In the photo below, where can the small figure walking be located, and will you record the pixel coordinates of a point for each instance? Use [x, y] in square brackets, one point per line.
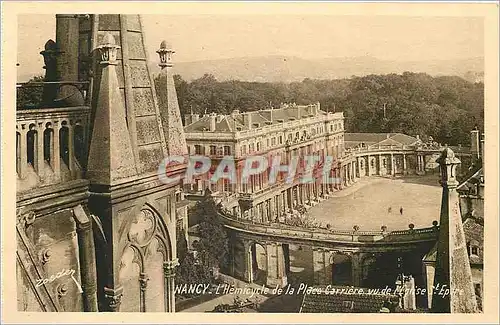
[389, 210]
[401, 210]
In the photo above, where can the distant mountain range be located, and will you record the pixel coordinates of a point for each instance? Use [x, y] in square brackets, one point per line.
[289, 68]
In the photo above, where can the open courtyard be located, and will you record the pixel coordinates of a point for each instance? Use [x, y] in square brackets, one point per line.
[374, 202]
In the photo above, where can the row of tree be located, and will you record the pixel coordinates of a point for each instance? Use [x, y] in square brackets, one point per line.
[446, 107]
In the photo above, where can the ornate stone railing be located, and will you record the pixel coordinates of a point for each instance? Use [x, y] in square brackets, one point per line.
[341, 236]
[51, 145]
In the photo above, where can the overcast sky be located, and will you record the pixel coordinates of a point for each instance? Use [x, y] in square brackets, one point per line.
[207, 37]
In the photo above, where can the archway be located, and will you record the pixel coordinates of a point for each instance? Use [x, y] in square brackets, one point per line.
[259, 263]
[341, 269]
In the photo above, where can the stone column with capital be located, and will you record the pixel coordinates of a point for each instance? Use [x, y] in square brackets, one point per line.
[143, 283]
[113, 298]
[452, 270]
[169, 272]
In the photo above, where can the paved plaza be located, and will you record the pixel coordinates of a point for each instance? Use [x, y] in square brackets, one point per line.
[367, 204]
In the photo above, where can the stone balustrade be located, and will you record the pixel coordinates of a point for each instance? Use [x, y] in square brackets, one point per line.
[329, 236]
[50, 145]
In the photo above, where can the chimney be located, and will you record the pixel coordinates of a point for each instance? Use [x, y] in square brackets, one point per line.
[299, 112]
[388, 135]
[188, 119]
[213, 116]
[418, 137]
[195, 117]
[474, 145]
[247, 119]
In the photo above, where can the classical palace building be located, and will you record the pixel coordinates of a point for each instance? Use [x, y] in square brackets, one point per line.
[298, 131]
[89, 201]
[291, 130]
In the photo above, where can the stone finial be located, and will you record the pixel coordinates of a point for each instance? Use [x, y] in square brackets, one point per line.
[108, 50]
[165, 52]
[448, 163]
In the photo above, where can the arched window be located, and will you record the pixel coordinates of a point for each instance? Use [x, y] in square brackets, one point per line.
[79, 141]
[48, 145]
[31, 141]
[64, 143]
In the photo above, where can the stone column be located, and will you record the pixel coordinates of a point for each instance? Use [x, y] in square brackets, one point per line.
[169, 287]
[356, 269]
[453, 270]
[67, 32]
[71, 149]
[248, 270]
[87, 259]
[276, 273]
[113, 298]
[393, 165]
[404, 165]
[380, 165]
[23, 152]
[369, 166]
[39, 148]
[321, 266]
[143, 284]
[56, 153]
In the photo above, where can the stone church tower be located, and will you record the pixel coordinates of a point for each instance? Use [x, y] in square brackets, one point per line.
[111, 198]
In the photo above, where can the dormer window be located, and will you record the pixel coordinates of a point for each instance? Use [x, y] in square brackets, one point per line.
[280, 120]
[256, 125]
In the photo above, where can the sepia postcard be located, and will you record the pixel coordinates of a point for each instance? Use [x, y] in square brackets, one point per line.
[315, 162]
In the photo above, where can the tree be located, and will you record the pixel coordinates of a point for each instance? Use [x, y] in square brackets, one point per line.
[30, 96]
[445, 108]
[191, 272]
[213, 244]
